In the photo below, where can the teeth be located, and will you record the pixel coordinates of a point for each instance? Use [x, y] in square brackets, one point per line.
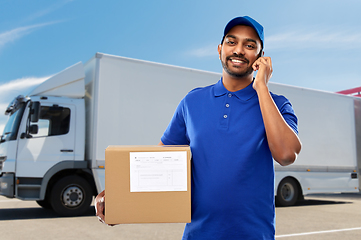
[237, 61]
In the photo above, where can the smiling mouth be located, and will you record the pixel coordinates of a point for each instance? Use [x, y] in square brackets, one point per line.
[237, 61]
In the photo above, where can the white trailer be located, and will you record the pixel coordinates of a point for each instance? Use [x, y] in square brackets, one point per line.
[330, 132]
[53, 146]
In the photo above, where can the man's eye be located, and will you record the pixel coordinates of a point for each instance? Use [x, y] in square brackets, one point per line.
[231, 42]
[250, 46]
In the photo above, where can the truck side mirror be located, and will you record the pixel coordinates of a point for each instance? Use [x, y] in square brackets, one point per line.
[34, 112]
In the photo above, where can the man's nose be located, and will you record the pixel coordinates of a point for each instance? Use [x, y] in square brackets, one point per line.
[238, 50]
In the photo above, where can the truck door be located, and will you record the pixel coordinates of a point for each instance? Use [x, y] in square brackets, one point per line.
[53, 142]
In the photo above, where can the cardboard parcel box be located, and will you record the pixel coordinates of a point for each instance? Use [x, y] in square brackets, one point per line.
[147, 184]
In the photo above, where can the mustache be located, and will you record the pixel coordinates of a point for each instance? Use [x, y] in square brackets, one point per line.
[241, 57]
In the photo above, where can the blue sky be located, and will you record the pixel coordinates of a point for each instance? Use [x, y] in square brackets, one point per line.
[313, 43]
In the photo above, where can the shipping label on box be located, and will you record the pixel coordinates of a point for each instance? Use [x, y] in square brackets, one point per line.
[147, 184]
[158, 171]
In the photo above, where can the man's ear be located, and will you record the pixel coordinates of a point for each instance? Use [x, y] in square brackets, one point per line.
[261, 54]
[219, 50]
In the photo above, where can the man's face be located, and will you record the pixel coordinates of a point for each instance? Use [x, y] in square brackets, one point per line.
[240, 49]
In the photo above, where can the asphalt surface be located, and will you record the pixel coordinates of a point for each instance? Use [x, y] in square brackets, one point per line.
[326, 217]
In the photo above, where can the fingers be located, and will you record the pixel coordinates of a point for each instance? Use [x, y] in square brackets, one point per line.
[264, 67]
[268, 62]
[262, 61]
[101, 219]
[100, 206]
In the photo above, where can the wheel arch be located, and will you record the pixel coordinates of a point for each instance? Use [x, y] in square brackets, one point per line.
[297, 182]
[288, 197]
[66, 168]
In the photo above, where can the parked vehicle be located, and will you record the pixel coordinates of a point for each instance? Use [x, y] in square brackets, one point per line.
[53, 146]
[330, 131]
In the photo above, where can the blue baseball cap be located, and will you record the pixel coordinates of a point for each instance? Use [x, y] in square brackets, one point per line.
[248, 21]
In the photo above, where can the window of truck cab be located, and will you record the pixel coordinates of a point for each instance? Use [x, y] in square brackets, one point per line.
[53, 121]
[12, 125]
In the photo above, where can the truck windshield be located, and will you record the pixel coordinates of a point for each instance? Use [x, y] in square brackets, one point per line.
[12, 126]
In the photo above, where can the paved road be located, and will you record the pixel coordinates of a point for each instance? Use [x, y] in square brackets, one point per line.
[326, 217]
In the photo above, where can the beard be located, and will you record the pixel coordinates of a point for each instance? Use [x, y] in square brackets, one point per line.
[237, 74]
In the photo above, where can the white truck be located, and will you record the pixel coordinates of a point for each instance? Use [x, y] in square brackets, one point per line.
[330, 132]
[53, 146]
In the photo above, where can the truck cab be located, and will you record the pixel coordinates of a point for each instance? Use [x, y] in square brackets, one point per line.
[42, 146]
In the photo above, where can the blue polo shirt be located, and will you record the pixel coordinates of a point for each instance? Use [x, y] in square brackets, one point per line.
[232, 166]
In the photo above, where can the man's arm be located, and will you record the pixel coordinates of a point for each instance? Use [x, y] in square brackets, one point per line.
[282, 140]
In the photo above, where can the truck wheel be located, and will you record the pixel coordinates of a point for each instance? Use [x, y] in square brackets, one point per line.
[287, 192]
[71, 196]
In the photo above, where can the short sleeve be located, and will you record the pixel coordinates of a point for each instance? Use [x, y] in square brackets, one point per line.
[176, 132]
[286, 109]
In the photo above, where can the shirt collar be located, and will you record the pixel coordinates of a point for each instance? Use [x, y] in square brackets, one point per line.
[244, 94]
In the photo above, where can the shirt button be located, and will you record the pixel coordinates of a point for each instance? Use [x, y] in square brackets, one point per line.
[229, 94]
[225, 116]
[227, 105]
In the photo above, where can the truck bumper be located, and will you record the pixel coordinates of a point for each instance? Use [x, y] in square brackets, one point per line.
[7, 184]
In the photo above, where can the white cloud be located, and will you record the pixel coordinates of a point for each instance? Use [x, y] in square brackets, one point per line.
[47, 10]
[19, 85]
[205, 51]
[303, 39]
[17, 33]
